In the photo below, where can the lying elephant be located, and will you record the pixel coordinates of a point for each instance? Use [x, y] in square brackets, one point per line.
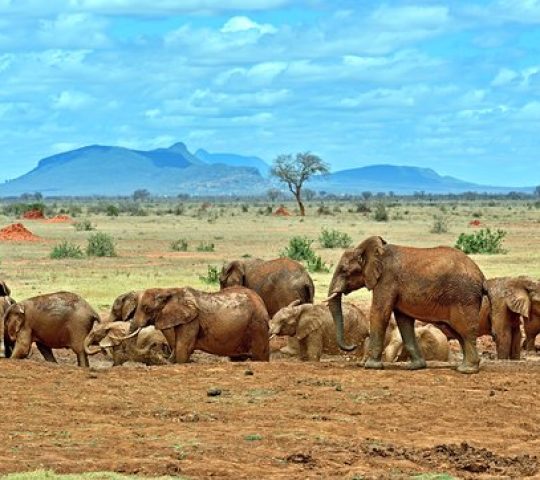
[149, 347]
[313, 327]
[431, 340]
[55, 320]
[232, 322]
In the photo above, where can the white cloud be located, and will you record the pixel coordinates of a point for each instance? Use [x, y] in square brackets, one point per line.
[71, 100]
[504, 77]
[241, 24]
[402, 18]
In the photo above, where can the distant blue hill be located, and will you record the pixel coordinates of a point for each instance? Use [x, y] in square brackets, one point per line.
[111, 171]
[234, 160]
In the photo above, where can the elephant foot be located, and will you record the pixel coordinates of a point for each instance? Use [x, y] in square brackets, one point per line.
[287, 350]
[373, 364]
[468, 369]
[417, 364]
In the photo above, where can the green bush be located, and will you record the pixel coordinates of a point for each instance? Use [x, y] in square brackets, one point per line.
[334, 239]
[205, 247]
[380, 215]
[440, 224]
[100, 245]
[66, 249]
[363, 207]
[180, 245]
[112, 210]
[212, 275]
[84, 226]
[316, 264]
[483, 241]
[299, 248]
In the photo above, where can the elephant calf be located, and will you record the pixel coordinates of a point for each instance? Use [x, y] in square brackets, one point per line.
[149, 346]
[431, 340]
[313, 327]
[55, 320]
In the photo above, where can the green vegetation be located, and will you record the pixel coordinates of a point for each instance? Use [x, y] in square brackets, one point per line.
[334, 239]
[253, 437]
[84, 226]
[299, 249]
[66, 249]
[483, 241]
[100, 245]
[381, 214]
[206, 247]
[440, 224]
[212, 275]
[180, 245]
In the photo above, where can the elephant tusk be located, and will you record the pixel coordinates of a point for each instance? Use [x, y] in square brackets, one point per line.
[331, 297]
[131, 335]
[272, 336]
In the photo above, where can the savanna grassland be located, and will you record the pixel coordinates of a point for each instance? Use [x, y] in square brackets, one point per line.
[284, 419]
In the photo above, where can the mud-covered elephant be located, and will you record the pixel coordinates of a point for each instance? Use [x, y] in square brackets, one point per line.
[278, 282]
[313, 327]
[149, 346]
[54, 320]
[232, 322]
[5, 302]
[433, 285]
[511, 298]
[432, 343]
[124, 306]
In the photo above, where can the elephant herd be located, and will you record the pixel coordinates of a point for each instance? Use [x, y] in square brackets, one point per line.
[441, 288]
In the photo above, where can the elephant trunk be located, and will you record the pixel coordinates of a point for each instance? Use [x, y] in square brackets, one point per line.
[88, 347]
[334, 305]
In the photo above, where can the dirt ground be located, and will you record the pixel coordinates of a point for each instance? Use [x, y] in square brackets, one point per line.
[283, 419]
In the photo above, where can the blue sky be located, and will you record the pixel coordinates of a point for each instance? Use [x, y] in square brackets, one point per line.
[454, 86]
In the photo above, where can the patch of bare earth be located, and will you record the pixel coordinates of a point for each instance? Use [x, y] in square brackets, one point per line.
[283, 419]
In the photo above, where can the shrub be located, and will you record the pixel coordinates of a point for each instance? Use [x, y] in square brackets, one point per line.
[380, 215]
[483, 241]
[245, 208]
[334, 239]
[180, 245]
[299, 248]
[66, 249]
[212, 275]
[440, 224]
[84, 226]
[112, 210]
[362, 207]
[205, 247]
[316, 264]
[100, 245]
[324, 210]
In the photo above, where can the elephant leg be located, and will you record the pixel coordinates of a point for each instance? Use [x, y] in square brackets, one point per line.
[22, 344]
[46, 352]
[515, 344]
[464, 322]
[406, 329]
[186, 338]
[82, 359]
[291, 348]
[260, 346]
[170, 336]
[314, 346]
[379, 316]
[503, 342]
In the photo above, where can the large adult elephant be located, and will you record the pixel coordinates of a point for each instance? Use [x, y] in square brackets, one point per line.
[5, 302]
[434, 285]
[233, 322]
[278, 282]
[511, 298]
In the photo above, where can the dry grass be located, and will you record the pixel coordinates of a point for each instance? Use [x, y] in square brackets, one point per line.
[145, 258]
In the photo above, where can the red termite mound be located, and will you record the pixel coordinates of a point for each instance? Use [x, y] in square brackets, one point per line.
[17, 232]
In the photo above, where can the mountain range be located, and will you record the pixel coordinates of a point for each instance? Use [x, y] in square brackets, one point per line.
[113, 171]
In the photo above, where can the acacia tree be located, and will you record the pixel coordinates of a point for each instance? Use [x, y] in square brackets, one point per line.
[294, 171]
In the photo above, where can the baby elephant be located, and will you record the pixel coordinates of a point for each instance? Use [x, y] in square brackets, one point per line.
[55, 320]
[432, 342]
[313, 327]
[148, 347]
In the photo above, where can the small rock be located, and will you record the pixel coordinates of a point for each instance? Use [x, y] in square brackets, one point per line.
[213, 392]
[491, 393]
[248, 372]
[338, 387]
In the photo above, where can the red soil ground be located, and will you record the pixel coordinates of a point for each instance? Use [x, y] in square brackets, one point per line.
[17, 232]
[60, 219]
[283, 419]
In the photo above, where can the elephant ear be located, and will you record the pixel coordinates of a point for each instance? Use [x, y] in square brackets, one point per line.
[179, 309]
[15, 320]
[233, 274]
[5, 291]
[517, 300]
[307, 322]
[370, 254]
[129, 305]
